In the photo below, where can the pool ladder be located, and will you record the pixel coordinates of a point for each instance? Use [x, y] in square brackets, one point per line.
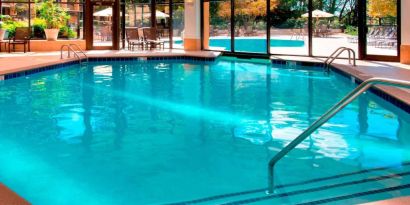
[325, 117]
[337, 53]
[76, 52]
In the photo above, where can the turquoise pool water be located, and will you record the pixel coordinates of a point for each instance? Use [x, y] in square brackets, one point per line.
[171, 131]
[254, 45]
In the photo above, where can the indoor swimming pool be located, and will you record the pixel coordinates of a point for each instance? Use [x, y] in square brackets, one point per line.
[193, 132]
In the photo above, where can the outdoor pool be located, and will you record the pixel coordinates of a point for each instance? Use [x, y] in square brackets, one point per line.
[254, 45]
[173, 131]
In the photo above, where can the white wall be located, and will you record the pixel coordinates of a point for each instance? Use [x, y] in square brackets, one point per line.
[405, 22]
[192, 19]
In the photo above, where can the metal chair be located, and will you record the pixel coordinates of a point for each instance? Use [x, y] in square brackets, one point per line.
[133, 38]
[21, 37]
[151, 38]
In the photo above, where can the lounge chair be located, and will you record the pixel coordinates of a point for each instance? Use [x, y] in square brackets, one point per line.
[133, 38]
[389, 40]
[151, 38]
[374, 35]
[21, 37]
[299, 33]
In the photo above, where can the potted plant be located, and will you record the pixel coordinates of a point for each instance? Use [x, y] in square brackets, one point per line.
[54, 16]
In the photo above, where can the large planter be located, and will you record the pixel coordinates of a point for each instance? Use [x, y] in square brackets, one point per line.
[2, 32]
[51, 34]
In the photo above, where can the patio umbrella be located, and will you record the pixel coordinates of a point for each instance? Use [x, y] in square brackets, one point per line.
[161, 15]
[108, 12]
[158, 14]
[105, 12]
[318, 14]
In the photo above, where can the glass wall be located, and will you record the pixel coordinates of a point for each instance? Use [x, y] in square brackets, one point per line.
[169, 19]
[335, 24]
[217, 25]
[250, 26]
[138, 13]
[163, 21]
[381, 23]
[102, 26]
[178, 20]
[15, 14]
[23, 13]
[289, 27]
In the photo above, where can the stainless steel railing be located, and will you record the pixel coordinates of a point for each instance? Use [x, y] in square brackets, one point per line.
[80, 50]
[337, 53]
[325, 117]
[76, 52]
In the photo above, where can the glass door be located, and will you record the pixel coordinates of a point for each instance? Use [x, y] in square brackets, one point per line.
[382, 39]
[163, 21]
[102, 26]
[250, 26]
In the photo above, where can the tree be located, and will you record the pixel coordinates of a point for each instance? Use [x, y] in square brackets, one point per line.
[382, 8]
[251, 8]
[246, 11]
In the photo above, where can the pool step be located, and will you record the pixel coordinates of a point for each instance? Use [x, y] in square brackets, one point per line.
[340, 188]
[341, 193]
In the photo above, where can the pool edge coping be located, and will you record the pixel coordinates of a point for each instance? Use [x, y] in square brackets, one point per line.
[389, 94]
[29, 70]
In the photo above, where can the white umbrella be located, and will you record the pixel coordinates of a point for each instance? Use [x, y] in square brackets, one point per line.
[105, 12]
[161, 15]
[108, 12]
[318, 14]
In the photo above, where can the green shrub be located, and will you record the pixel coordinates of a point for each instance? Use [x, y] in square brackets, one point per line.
[260, 25]
[352, 30]
[11, 26]
[293, 23]
[3, 18]
[335, 24]
[54, 16]
[67, 32]
[38, 28]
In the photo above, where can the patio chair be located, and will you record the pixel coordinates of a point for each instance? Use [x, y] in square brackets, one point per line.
[21, 37]
[299, 33]
[106, 33]
[133, 38]
[4, 41]
[151, 38]
[374, 35]
[324, 31]
[389, 41]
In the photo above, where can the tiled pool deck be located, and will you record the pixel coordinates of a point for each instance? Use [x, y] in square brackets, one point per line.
[8, 197]
[17, 62]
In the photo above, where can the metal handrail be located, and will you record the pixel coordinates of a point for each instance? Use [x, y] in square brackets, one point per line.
[325, 117]
[331, 56]
[69, 49]
[61, 51]
[80, 50]
[339, 51]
